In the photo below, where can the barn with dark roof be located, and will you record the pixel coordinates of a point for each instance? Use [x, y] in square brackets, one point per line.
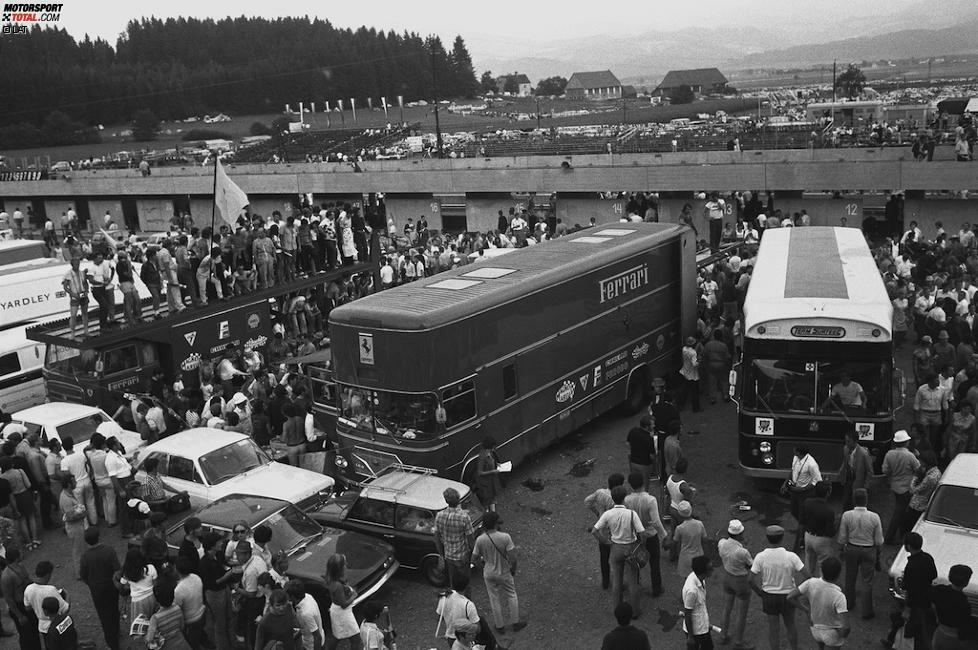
[702, 81]
[601, 84]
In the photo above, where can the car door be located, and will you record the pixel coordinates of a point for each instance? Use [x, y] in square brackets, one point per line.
[372, 517]
[415, 530]
[182, 475]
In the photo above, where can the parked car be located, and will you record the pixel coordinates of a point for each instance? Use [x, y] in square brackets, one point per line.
[949, 527]
[369, 562]
[58, 420]
[212, 463]
[400, 506]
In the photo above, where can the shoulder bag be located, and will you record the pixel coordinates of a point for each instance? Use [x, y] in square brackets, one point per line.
[638, 556]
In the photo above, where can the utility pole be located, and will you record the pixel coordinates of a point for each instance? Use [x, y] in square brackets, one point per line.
[833, 80]
[434, 86]
[538, 112]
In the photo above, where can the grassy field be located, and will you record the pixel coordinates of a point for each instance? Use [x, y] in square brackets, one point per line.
[634, 111]
[900, 72]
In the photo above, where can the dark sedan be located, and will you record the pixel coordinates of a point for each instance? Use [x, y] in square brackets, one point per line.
[400, 507]
[307, 544]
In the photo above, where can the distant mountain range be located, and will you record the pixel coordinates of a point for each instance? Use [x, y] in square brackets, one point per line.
[922, 30]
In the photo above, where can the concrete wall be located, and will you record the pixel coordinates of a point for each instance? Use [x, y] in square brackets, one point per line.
[953, 213]
[97, 208]
[573, 210]
[866, 169]
[482, 209]
[265, 205]
[154, 214]
[402, 207]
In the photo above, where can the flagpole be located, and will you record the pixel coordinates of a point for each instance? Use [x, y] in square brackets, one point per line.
[217, 161]
[214, 201]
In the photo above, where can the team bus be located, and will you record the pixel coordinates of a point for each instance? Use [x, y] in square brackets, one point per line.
[523, 348]
[817, 356]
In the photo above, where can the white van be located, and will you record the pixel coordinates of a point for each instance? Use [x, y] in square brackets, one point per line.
[21, 360]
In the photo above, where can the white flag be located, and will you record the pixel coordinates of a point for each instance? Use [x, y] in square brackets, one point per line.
[228, 197]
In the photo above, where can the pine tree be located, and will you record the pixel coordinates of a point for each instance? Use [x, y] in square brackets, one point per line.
[464, 83]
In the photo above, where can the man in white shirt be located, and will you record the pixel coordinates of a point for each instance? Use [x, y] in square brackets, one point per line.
[860, 537]
[647, 508]
[624, 528]
[100, 280]
[846, 393]
[773, 578]
[188, 595]
[713, 212]
[696, 617]
[75, 463]
[805, 473]
[387, 274]
[308, 614]
[690, 373]
[826, 605]
[41, 588]
[737, 562]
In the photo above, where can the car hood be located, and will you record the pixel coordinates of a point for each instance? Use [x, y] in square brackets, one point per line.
[277, 481]
[949, 545]
[366, 558]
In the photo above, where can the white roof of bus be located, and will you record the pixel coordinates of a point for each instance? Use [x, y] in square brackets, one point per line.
[836, 271]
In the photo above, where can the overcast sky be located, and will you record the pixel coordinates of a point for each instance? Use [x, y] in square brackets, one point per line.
[541, 19]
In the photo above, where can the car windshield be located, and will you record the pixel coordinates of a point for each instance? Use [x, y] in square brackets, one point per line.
[82, 429]
[799, 386]
[70, 361]
[954, 505]
[290, 528]
[402, 415]
[229, 461]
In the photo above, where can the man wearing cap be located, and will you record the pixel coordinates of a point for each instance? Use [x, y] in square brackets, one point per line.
[773, 578]
[899, 466]
[687, 538]
[624, 528]
[860, 536]
[736, 561]
[929, 406]
[641, 449]
[647, 508]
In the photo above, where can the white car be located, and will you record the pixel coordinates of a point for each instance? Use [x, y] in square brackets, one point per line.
[58, 420]
[949, 527]
[212, 463]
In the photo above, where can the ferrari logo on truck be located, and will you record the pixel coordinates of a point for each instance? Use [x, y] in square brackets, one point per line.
[366, 346]
[624, 282]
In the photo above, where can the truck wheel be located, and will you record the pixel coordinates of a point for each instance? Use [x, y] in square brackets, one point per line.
[434, 571]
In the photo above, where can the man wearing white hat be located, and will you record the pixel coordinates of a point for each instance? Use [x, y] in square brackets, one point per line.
[737, 561]
[899, 467]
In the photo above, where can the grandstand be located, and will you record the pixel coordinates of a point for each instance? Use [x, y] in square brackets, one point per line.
[332, 145]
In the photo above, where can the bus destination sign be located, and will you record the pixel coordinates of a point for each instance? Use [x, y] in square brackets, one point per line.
[818, 331]
[624, 282]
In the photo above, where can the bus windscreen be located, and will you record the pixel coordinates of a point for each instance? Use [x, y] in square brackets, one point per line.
[823, 387]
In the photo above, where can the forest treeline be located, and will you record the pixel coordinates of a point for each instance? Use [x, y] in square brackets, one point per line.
[178, 67]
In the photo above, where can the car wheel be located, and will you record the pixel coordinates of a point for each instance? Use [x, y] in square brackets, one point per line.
[433, 570]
